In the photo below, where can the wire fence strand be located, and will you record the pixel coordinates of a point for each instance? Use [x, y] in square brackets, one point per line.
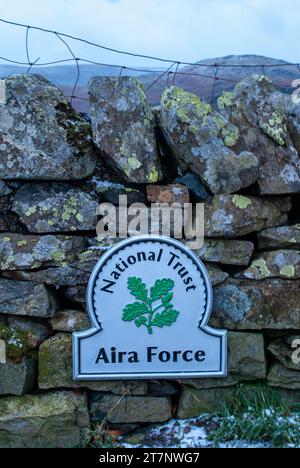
[167, 74]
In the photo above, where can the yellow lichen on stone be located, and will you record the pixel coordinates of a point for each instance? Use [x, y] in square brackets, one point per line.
[288, 271]
[32, 210]
[21, 243]
[153, 176]
[241, 202]
[226, 100]
[262, 267]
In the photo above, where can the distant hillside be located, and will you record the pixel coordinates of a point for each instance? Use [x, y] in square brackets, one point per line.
[278, 70]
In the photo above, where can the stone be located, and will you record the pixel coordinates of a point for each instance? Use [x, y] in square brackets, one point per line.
[36, 330]
[201, 140]
[21, 298]
[293, 120]
[56, 370]
[194, 402]
[31, 252]
[272, 304]
[216, 274]
[283, 237]
[194, 184]
[17, 378]
[3, 224]
[259, 112]
[227, 252]
[76, 272]
[41, 136]
[123, 127]
[282, 349]
[70, 321]
[130, 409]
[76, 294]
[246, 362]
[4, 189]
[55, 208]
[280, 376]
[168, 194]
[274, 264]
[237, 215]
[51, 420]
[111, 191]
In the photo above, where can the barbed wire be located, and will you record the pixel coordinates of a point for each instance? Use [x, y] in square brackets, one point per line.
[166, 73]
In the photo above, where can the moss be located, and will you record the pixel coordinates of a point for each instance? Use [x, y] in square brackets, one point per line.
[262, 267]
[226, 100]
[32, 210]
[16, 341]
[241, 202]
[276, 127]
[79, 132]
[153, 176]
[22, 243]
[288, 271]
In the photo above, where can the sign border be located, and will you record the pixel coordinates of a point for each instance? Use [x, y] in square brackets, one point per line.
[77, 336]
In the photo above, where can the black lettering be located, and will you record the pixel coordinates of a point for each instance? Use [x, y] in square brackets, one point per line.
[113, 355]
[190, 287]
[150, 353]
[121, 355]
[151, 257]
[108, 285]
[173, 256]
[133, 357]
[164, 356]
[131, 260]
[141, 256]
[188, 280]
[175, 355]
[183, 272]
[118, 267]
[102, 356]
[160, 255]
[200, 356]
[185, 356]
[115, 275]
[124, 263]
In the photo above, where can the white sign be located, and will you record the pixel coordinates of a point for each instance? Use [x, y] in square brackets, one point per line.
[149, 300]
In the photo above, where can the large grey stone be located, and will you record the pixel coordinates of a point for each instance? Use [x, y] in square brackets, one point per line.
[76, 272]
[236, 215]
[36, 330]
[283, 237]
[56, 370]
[275, 264]
[246, 362]
[283, 349]
[21, 298]
[259, 112]
[123, 127]
[201, 139]
[280, 376]
[130, 409]
[55, 208]
[194, 402]
[216, 274]
[70, 321]
[228, 252]
[17, 378]
[41, 135]
[256, 305]
[52, 420]
[19, 252]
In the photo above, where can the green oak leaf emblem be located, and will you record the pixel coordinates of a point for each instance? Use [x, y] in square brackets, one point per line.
[151, 310]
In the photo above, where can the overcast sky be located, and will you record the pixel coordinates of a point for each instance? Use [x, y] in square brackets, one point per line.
[187, 30]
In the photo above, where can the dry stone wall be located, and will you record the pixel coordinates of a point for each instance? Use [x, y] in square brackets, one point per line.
[56, 166]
